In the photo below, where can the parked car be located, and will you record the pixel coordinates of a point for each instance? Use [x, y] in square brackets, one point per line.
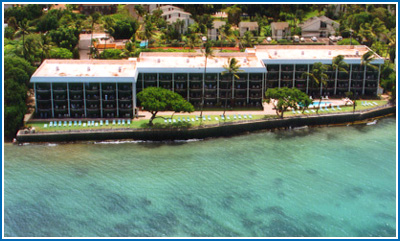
[269, 39]
[314, 39]
[339, 38]
[296, 38]
[332, 38]
[302, 39]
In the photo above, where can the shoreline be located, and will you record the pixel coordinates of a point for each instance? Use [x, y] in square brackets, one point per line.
[204, 132]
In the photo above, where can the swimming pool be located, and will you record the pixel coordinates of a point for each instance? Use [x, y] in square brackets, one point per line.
[323, 103]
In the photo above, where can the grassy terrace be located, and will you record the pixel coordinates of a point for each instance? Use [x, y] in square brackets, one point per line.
[160, 122]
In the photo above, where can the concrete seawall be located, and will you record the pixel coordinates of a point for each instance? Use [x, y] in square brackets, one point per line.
[203, 132]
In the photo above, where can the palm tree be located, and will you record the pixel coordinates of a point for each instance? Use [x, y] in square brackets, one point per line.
[318, 77]
[208, 52]
[338, 64]
[93, 19]
[139, 11]
[45, 46]
[366, 60]
[23, 29]
[232, 69]
[192, 41]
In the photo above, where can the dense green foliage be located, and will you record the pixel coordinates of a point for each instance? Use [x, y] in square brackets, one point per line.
[60, 53]
[285, 98]
[17, 73]
[347, 42]
[111, 54]
[155, 99]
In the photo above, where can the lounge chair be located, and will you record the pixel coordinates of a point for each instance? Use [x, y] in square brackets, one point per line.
[307, 111]
[298, 112]
[193, 120]
[45, 125]
[173, 120]
[326, 108]
[209, 118]
[179, 119]
[313, 111]
[129, 122]
[92, 123]
[183, 119]
[245, 116]
[188, 119]
[320, 109]
[165, 120]
[338, 107]
[119, 122]
[204, 118]
[169, 120]
[374, 103]
[50, 124]
[65, 123]
[75, 123]
[101, 123]
[84, 125]
[123, 122]
[96, 124]
[70, 123]
[333, 108]
[79, 123]
[113, 122]
[88, 123]
[234, 117]
[59, 124]
[227, 117]
[197, 118]
[216, 118]
[362, 103]
[250, 116]
[107, 122]
[294, 112]
[239, 116]
[222, 117]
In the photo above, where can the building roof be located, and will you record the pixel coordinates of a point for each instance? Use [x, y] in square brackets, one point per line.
[175, 11]
[314, 19]
[279, 25]
[86, 68]
[176, 62]
[310, 54]
[248, 24]
[217, 24]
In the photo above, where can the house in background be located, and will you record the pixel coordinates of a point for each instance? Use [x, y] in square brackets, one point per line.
[247, 26]
[214, 32]
[319, 27]
[171, 14]
[280, 30]
[88, 9]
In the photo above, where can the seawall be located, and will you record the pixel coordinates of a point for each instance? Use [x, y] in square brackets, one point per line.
[203, 132]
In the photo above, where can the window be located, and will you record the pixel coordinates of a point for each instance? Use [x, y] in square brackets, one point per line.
[179, 15]
[323, 24]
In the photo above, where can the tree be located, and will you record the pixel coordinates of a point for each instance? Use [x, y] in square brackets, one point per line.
[139, 11]
[318, 77]
[247, 40]
[111, 54]
[338, 64]
[234, 14]
[45, 45]
[232, 69]
[285, 98]
[208, 52]
[23, 30]
[366, 60]
[60, 53]
[65, 37]
[155, 100]
[94, 18]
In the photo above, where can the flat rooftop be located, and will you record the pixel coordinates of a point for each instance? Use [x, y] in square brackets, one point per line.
[307, 52]
[86, 68]
[196, 60]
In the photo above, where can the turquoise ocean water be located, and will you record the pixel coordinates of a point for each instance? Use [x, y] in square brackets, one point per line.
[324, 182]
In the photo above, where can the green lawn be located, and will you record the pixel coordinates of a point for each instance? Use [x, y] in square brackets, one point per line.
[143, 123]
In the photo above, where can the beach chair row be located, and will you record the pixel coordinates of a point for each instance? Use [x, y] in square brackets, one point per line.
[86, 123]
[217, 118]
[366, 103]
[332, 108]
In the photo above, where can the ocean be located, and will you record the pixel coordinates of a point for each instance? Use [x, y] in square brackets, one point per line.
[314, 182]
